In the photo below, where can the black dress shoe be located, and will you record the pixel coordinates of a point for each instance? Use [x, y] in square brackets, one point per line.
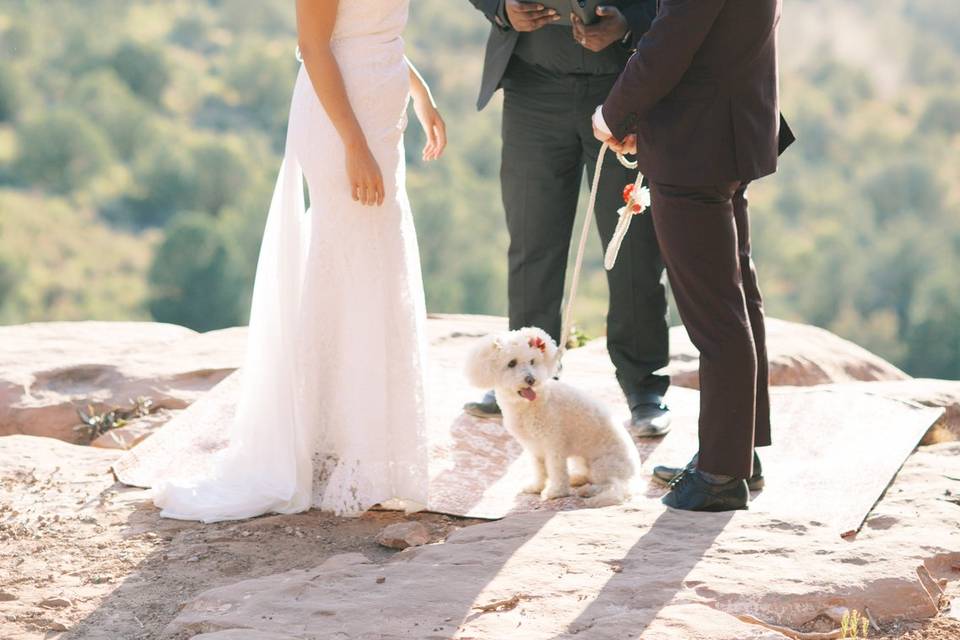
[692, 492]
[486, 408]
[666, 475]
[649, 416]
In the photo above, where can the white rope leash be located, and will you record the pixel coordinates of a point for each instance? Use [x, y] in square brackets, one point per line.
[638, 197]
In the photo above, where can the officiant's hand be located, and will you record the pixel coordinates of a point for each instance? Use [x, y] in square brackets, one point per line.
[529, 16]
[611, 27]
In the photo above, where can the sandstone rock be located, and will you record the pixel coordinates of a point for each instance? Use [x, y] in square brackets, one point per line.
[404, 534]
[630, 571]
[443, 327]
[67, 529]
[47, 370]
[55, 603]
[57, 625]
[800, 355]
[6, 596]
[635, 570]
[242, 634]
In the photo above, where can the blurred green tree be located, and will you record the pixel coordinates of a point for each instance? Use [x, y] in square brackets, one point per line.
[942, 115]
[905, 187]
[61, 151]
[9, 278]
[932, 64]
[858, 232]
[165, 175]
[933, 337]
[846, 86]
[194, 276]
[190, 32]
[15, 41]
[267, 17]
[144, 69]
[262, 80]
[223, 172]
[105, 99]
[10, 93]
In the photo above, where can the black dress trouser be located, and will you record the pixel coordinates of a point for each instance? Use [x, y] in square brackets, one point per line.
[547, 142]
[704, 235]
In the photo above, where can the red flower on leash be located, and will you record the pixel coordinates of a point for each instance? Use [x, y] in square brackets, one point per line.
[635, 202]
[538, 343]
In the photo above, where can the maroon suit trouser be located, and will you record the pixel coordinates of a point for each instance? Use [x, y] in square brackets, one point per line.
[704, 238]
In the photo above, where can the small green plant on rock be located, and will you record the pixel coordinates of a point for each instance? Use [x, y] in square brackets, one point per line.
[96, 424]
[578, 338]
[854, 625]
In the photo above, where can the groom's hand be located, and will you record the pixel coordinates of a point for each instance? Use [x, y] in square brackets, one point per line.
[611, 27]
[529, 16]
[625, 147]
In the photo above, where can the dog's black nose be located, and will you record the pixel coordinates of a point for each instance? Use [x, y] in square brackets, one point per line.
[530, 380]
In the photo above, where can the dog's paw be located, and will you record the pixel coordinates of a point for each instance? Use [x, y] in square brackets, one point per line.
[552, 493]
[605, 499]
[606, 495]
[534, 487]
[579, 479]
[588, 490]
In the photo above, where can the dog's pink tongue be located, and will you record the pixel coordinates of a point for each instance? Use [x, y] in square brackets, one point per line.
[529, 394]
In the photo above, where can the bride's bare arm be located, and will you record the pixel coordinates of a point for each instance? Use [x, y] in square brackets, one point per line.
[315, 23]
[428, 115]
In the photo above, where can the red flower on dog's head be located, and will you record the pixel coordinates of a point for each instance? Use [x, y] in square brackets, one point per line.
[538, 343]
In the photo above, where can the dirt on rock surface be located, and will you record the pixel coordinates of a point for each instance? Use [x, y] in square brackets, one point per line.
[87, 558]
[938, 629]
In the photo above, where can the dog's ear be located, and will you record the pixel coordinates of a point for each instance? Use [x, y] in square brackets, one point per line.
[540, 339]
[481, 368]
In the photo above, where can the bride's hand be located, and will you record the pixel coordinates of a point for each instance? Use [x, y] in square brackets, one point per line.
[366, 181]
[433, 126]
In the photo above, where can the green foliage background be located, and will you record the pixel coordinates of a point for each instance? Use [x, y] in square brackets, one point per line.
[139, 142]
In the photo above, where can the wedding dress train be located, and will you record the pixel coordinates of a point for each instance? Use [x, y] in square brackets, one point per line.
[331, 412]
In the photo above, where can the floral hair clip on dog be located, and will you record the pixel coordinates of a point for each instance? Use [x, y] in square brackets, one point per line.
[538, 343]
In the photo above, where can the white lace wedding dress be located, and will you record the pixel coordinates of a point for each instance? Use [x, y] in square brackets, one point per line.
[331, 409]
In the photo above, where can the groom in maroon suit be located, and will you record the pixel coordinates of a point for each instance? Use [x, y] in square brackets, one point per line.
[699, 103]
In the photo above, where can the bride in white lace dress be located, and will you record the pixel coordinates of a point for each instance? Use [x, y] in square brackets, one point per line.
[331, 411]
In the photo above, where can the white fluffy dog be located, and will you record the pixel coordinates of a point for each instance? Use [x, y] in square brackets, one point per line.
[554, 422]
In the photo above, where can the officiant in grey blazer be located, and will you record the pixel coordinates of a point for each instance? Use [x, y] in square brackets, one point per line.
[553, 77]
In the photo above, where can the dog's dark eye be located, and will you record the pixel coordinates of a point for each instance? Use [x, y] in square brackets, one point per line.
[512, 364]
[532, 360]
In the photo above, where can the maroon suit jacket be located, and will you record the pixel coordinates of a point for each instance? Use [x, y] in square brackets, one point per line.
[701, 93]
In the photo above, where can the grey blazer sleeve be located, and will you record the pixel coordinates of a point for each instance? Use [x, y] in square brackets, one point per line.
[495, 10]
